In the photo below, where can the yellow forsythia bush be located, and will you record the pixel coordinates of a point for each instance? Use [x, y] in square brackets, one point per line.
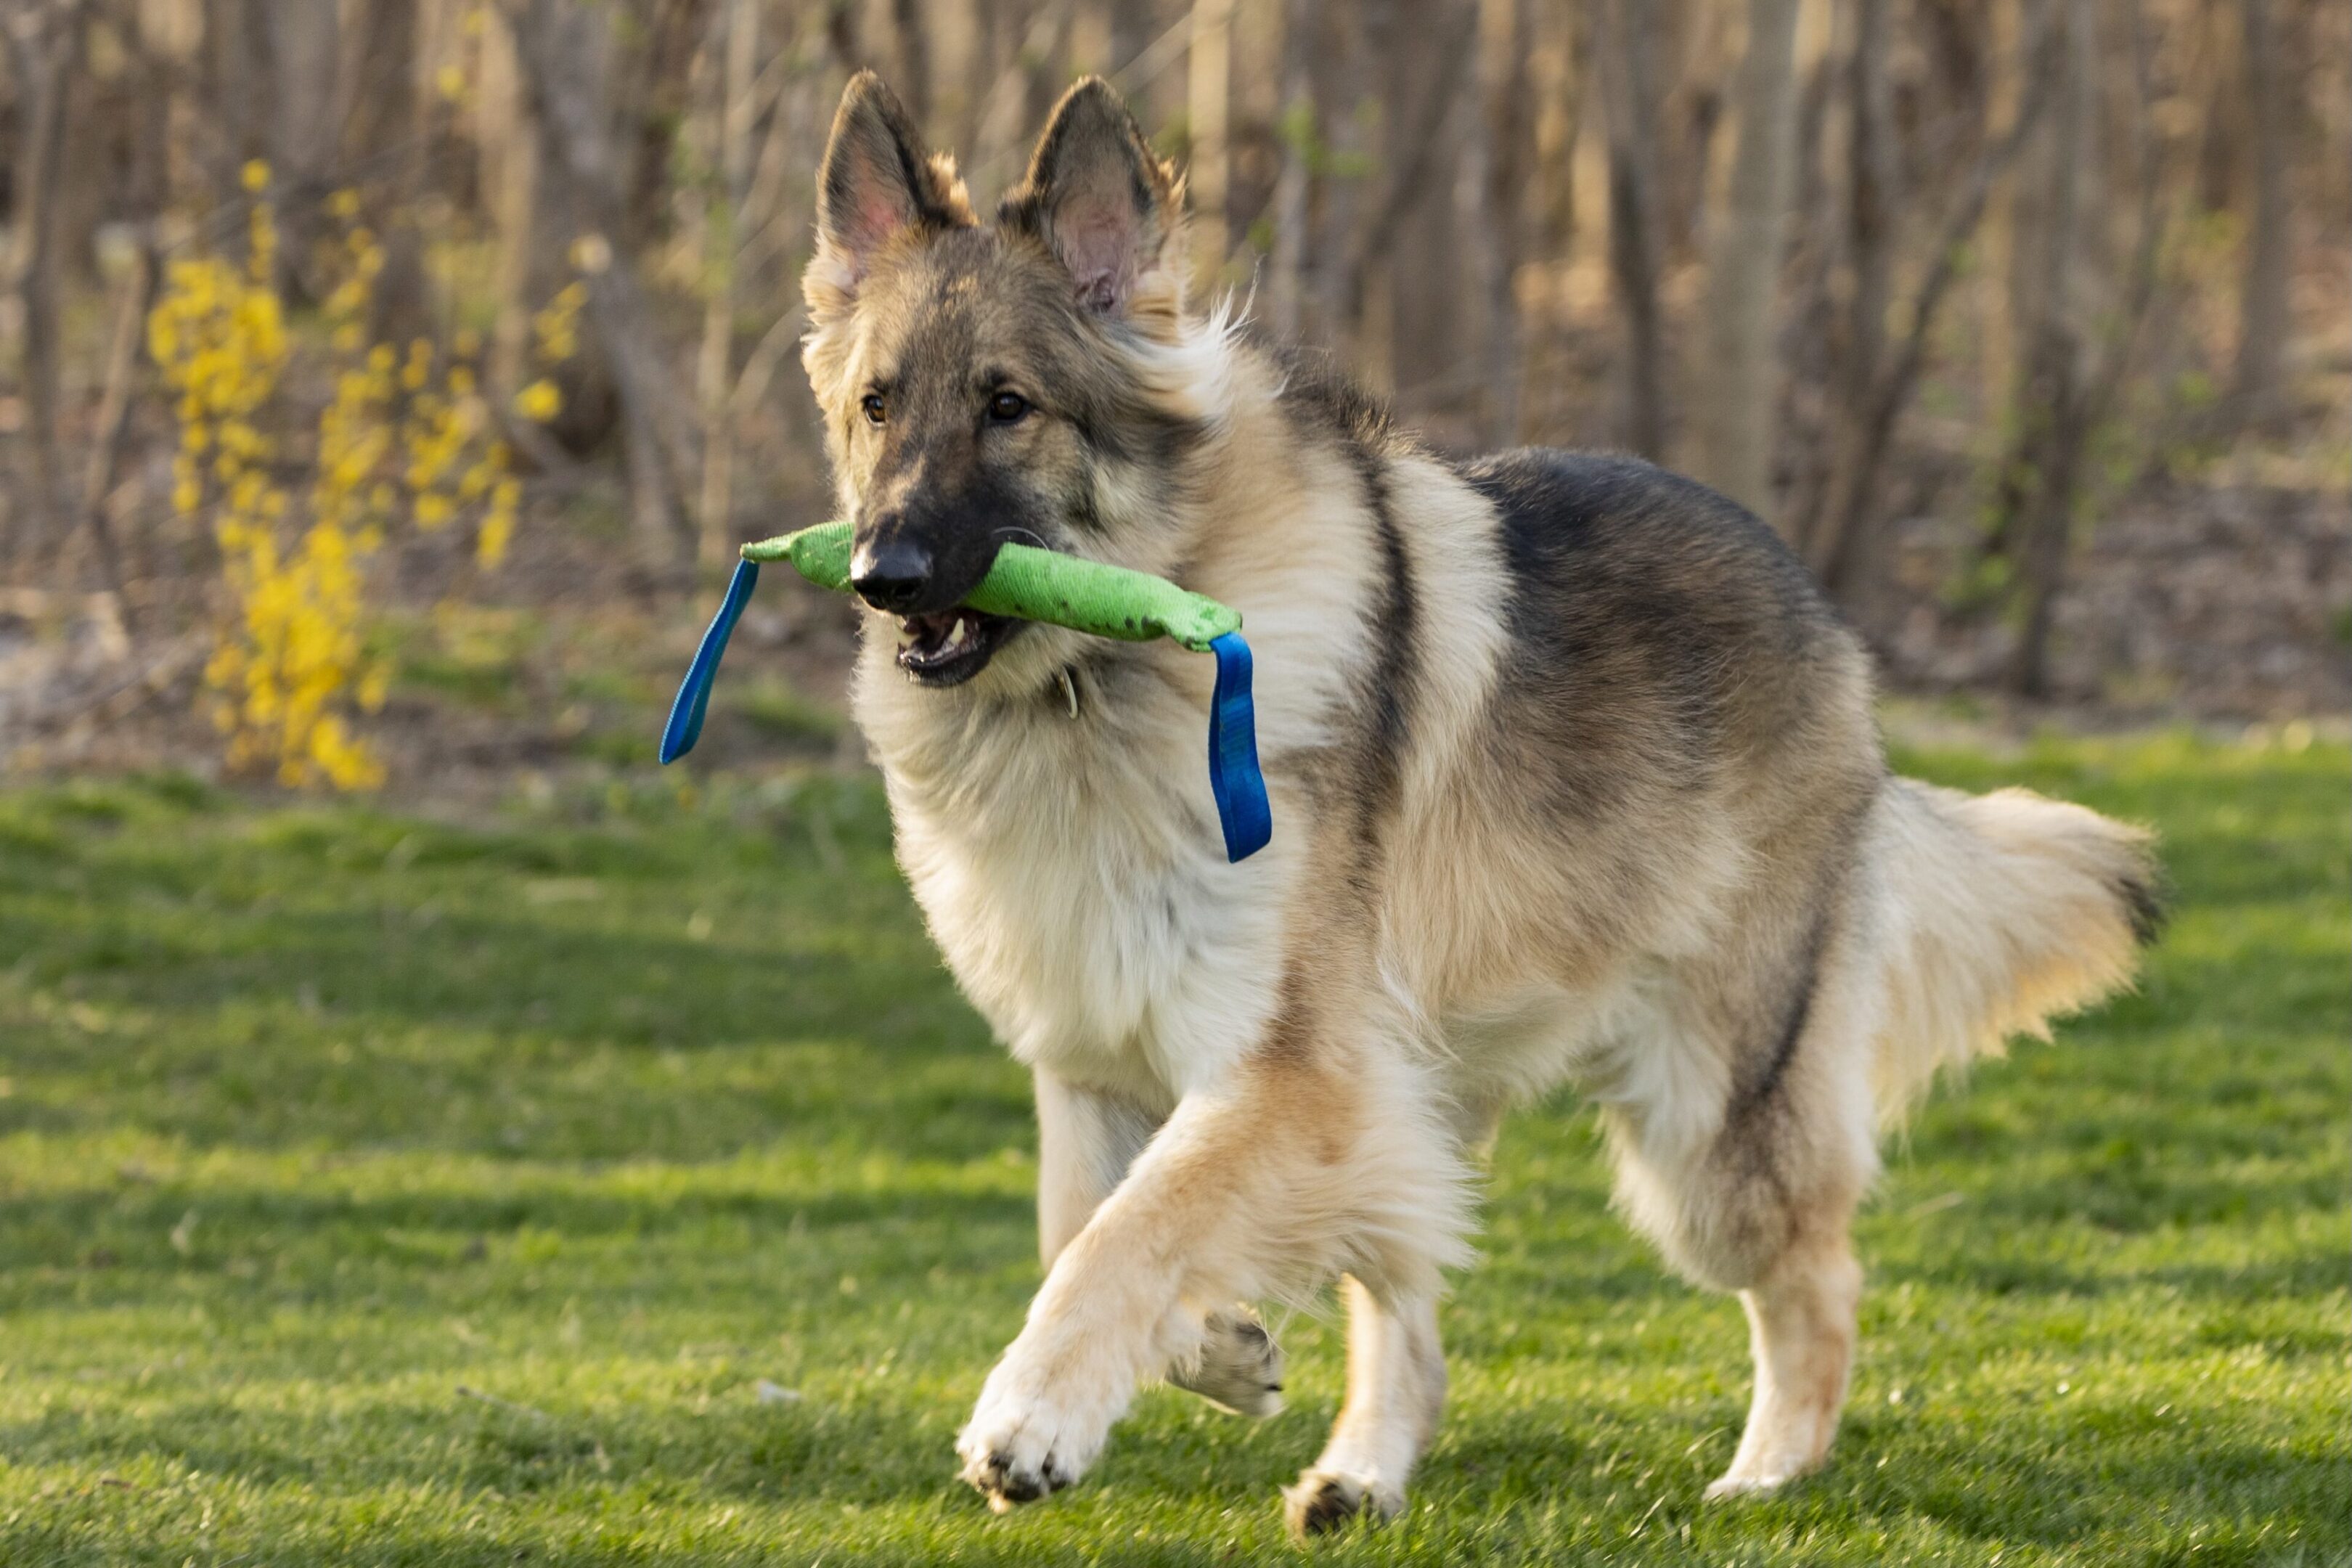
[402, 437]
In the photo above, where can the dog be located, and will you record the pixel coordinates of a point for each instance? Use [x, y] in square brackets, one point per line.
[1575, 778]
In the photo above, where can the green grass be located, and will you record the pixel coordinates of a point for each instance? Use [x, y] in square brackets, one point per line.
[382, 1191]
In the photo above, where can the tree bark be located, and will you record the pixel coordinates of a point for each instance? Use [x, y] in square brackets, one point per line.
[2262, 302]
[1863, 433]
[2083, 385]
[1630, 97]
[561, 50]
[1506, 130]
[305, 116]
[1299, 124]
[44, 38]
[1732, 411]
[2054, 420]
[1209, 92]
[714, 365]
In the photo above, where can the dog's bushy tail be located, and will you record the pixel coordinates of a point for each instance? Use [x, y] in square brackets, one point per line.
[2005, 910]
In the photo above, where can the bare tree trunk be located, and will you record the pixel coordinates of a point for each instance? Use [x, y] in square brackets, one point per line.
[1734, 396]
[1834, 543]
[1870, 216]
[1507, 130]
[714, 367]
[1630, 95]
[380, 96]
[1297, 128]
[2082, 392]
[306, 115]
[910, 59]
[1340, 69]
[149, 185]
[2263, 304]
[2051, 409]
[1209, 90]
[44, 44]
[139, 294]
[511, 180]
[561, 50]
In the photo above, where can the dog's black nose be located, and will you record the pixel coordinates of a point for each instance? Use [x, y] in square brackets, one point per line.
[892, 573]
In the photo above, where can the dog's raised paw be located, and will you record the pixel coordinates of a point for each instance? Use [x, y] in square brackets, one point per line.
[1240, 1369]
[1320, 1501]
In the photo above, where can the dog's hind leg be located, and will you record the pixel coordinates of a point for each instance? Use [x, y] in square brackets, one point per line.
[1085, 1140]
[1748, 1179]
[1396, 1389]
[1800, 1327]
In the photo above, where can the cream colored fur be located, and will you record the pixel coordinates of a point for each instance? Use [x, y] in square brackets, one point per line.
[1072, 874]
[1255, 1078]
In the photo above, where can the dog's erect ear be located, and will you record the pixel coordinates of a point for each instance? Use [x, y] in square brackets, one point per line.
[877, 182]
[1109, 208]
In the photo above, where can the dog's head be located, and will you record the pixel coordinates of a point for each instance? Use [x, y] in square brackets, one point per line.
[986, 383]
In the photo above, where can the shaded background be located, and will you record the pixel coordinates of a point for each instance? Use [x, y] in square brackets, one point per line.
[553, 1158]
[2026, 321]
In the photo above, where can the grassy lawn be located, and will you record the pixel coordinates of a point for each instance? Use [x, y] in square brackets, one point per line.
[623, 1181]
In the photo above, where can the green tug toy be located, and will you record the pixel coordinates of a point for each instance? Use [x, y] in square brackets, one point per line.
[1033, 584]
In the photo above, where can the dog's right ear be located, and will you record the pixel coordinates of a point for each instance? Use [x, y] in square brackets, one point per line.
[876, 184]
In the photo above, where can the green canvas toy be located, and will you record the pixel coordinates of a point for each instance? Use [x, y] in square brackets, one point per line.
[1033, 584]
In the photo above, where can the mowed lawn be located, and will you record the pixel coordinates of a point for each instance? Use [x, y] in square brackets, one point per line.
[621, 1180]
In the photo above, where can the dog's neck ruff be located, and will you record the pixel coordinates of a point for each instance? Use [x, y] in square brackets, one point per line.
[1039, 585]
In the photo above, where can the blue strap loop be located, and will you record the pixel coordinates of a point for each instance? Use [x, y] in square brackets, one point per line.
[684, 726]
[1234, 775]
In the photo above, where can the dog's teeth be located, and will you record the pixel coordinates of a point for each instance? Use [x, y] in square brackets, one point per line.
[959, 634]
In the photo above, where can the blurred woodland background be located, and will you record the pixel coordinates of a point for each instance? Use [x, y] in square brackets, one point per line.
[385, 384]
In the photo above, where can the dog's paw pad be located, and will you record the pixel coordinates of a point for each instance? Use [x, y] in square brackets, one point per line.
[1321, 1502]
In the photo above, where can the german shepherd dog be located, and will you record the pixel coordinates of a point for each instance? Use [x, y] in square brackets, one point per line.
[1575, 778]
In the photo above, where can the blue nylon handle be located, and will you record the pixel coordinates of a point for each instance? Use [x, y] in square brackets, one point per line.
[684, 726]
[1234, 775]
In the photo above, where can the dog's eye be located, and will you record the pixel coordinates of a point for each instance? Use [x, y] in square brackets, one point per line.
[876, 411]
[1007, 406]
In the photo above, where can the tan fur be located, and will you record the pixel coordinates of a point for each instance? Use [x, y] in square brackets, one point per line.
[1669, 868]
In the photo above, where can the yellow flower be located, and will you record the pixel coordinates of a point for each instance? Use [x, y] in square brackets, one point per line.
[256, 176]
[540, 401]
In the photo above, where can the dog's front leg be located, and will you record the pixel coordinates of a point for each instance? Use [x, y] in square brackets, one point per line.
[1086, 1139]
[1267, 1181]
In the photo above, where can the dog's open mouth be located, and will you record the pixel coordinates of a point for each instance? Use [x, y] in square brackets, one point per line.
[951, 647]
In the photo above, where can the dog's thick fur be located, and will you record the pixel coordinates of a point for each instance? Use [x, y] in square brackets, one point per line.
[1575, 777]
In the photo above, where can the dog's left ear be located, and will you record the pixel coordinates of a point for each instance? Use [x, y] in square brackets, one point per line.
[1109, 209]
